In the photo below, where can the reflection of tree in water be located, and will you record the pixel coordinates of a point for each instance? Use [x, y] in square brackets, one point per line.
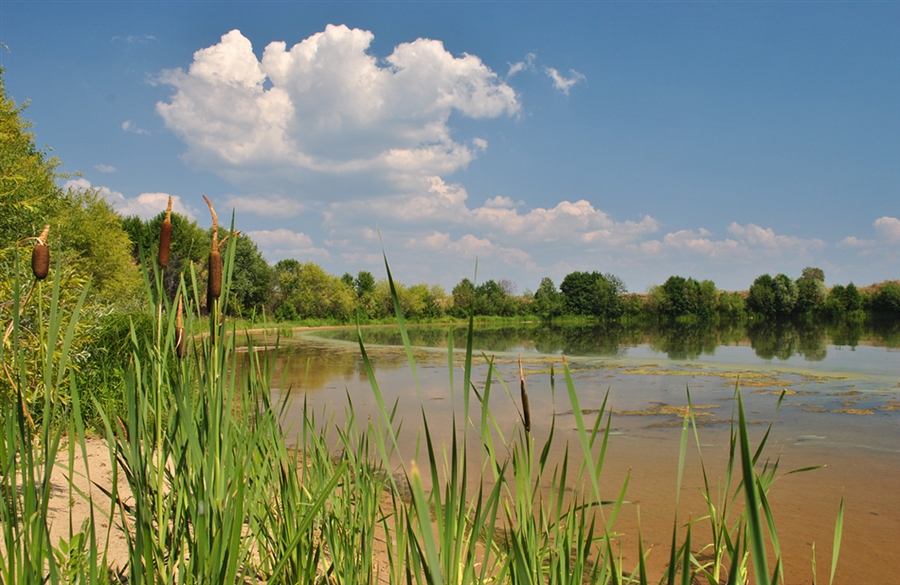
[678, 340]
[685, 341]
[846, 332]
[783, 339]
[773, 339]
[587, 340]
[885, 331]
[309, 368]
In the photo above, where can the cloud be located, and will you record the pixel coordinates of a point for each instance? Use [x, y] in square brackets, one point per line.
[561, 82]
[854, 242]
[470, 247]
[134, 39]
[747, 243]
[888, 229]
[444, 203]
[145, 205]
[105, 168]
[273, 206]
[327, 106]
[283, 243]
[525, 65]
[129, 126]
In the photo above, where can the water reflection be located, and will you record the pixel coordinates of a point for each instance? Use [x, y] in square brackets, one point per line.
[678, 341]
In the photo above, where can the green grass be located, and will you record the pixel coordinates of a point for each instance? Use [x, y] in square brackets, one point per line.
[211, 489]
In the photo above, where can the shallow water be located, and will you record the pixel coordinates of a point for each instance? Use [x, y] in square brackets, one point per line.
[840, 410]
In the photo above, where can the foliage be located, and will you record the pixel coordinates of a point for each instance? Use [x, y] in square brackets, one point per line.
[887, 299]
[463, 298]
[312, 292]
[548, 301]
[92, 234]
[28, 191]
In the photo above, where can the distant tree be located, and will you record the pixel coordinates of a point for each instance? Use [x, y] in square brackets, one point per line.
[813, 273]
[463, 297]
[836, 301]
[675, 301]
[709, 298]
[91, 231]
[730, 304]
[508, 287]
[886, 299]
[761, 296]
[313, 292]
[785, 292]
[853, 298]
[490, 299]
[606, 303]
[548, 301]
[578, 292]
[617, 283]
[810, 291]
[364, 283]
[347, 279]
[252, 279]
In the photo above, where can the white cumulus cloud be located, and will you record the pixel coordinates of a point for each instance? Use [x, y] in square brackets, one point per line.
[888, 229]
[327, 105]
[145, 205]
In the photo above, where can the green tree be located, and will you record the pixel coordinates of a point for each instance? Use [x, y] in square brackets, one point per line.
[785, 292]
[463, 297]
[91, 235]
[190, 244]
[252, 278]
[578, 289]
[761, 296]
[886, 299]
[29, 195]
[606, 302]
[813, 273]
[810, 291]
[548, 301]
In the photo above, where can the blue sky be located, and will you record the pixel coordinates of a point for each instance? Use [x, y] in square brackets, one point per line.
[718, 140]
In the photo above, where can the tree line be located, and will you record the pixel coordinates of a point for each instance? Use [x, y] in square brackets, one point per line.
[291, 290]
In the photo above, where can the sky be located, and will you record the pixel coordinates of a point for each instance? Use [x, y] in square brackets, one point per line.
[487, 140]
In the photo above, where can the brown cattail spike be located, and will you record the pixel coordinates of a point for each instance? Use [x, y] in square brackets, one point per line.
[40, 256]
[526, 408]
[179, 331]
[214, 281]
[165, 237]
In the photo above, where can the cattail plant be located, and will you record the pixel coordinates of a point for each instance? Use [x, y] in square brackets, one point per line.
[214, 282]
[526, 407]
[40, 256]
[179, 330]
[165, 237]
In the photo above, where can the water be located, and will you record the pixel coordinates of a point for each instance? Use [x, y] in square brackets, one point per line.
[841, 410]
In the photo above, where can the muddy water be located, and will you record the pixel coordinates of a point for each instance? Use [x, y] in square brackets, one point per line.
[841, 414]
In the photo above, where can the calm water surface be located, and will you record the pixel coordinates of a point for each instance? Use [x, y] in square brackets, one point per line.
[841, 410]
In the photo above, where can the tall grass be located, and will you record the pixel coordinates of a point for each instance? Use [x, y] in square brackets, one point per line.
[210, 488]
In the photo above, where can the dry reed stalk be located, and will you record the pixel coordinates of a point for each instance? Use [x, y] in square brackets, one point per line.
[165, 237]
[526, 408]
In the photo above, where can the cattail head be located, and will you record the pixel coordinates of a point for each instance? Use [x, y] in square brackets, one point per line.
[214, 280]
[179, 331]
[40, 256]
[165, 237]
